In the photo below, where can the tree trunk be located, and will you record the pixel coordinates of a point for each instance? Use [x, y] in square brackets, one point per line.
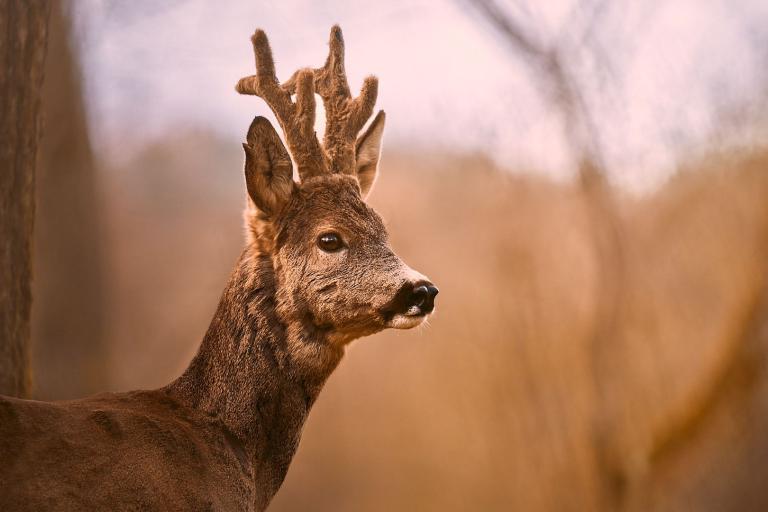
[23, 32]
[67, 318]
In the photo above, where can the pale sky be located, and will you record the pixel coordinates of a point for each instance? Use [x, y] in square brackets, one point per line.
[446, 79]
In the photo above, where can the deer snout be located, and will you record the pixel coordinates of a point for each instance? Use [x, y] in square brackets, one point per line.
[422, 297]
[413, 299]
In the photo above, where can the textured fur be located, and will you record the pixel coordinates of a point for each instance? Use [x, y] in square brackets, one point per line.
[222, 435]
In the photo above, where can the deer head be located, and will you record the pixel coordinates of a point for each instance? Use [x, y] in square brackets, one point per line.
[332, 261]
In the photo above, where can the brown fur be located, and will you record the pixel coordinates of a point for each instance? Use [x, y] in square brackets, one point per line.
[222, 435]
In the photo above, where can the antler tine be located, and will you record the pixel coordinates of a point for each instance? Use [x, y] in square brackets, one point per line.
[296, 119]
[334, 66]
[332, 77]
[345, 117]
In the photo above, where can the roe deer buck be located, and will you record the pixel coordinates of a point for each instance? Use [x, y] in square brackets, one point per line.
[316, 273]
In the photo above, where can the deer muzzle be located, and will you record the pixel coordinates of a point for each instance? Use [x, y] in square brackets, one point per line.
[413, 302]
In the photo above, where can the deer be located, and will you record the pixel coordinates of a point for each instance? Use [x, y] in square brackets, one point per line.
[316, 273]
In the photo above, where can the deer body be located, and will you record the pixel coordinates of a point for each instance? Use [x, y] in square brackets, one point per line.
[129, 451]
[220, 437]
[317, 273]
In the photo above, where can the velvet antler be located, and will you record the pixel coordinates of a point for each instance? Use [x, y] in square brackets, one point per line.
[345, 116]
[297, 119]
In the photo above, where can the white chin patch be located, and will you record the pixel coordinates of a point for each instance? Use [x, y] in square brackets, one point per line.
[405, 321]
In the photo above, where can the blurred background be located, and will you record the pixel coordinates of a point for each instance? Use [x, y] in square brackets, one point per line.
[585, 181]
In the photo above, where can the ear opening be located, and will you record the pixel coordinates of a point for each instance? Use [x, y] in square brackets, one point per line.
[368, 153]
[268, 167]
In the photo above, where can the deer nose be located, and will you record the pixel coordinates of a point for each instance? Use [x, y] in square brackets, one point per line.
[423, 297]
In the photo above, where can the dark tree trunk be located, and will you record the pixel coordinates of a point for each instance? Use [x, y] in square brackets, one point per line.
[67, 318]
[23, 36]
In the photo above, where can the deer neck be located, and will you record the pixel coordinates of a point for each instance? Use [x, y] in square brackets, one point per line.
[260, 368]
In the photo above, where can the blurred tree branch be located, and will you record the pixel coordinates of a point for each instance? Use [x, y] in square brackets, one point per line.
[552, 75]
[548, 62]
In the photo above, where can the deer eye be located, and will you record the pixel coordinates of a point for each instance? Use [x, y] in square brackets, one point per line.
[330, 242]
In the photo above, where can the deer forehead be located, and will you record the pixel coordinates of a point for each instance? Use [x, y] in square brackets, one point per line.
[331, 203]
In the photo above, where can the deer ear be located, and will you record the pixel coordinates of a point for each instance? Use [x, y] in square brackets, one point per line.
[268, 167]
[367, 153]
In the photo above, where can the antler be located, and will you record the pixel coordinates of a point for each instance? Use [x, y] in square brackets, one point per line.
[345, 116]
[296, 118]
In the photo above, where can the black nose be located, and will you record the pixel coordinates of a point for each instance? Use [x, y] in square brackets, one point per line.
[423, 297]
